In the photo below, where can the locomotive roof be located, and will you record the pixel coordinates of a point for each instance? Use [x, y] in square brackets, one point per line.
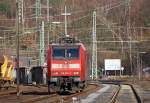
[69, 45]
[67, 41]
[66, 44]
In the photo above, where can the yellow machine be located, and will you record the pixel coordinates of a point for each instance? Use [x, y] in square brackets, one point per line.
[6, 71]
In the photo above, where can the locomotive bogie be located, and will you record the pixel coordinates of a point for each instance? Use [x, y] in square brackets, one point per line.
[66, 83]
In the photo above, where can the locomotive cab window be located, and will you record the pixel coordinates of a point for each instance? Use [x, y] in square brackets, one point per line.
[72, 53]
[65, 53]
[58, 53]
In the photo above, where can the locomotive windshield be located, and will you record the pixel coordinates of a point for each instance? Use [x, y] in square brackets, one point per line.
[65, 53]
[58, 53]
[72, 53]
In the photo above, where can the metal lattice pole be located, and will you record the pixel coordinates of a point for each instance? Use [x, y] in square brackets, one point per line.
[94, 50]
[40, 27]
[128, 33]
[48, 22]
[19, 25]
[38, 10]
[66, 14]
[42, 41]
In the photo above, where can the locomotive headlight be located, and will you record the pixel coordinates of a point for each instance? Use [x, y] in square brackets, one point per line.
[55, 73]
[77, 79]
[75, 73]
[54, 79]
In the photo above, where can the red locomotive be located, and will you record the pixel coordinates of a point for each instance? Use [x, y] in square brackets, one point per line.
[66, 65]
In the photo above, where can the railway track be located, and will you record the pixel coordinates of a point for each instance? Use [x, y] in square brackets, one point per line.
[7, 91]
[78, 96]
[7, 94]
[40, 98]
[57, 98]
[11, 90]
[125, 94]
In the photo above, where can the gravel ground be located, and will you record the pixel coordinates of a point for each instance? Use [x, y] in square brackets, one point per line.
[26, 93]
[126, 95]
[34, 92]
[102, 95]
[143, 89]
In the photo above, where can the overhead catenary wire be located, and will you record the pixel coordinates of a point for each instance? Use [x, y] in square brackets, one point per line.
[78, 19]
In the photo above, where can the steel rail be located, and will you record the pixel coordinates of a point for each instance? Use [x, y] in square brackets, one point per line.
[137, 97]
[113, 100]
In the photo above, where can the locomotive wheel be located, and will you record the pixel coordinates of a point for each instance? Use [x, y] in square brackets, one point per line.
[69, 86]
[49, 87]
[55, 88]
[49, 91]
[52, 88]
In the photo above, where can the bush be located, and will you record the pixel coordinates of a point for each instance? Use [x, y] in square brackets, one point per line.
[5, 7]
